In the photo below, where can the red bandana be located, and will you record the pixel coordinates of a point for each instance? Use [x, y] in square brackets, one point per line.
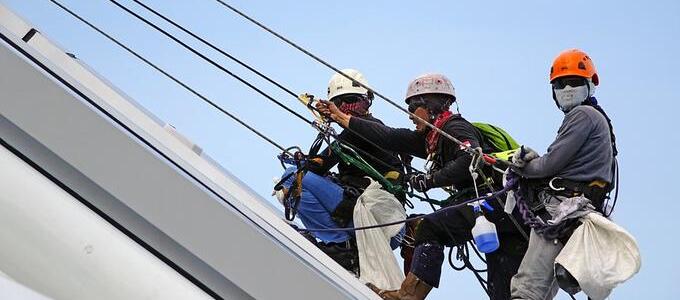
[433, 135]
[358, 108]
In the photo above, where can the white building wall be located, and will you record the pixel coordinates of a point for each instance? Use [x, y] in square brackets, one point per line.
[59, 247]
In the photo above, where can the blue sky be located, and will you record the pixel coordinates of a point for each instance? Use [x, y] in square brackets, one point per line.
[497, 54]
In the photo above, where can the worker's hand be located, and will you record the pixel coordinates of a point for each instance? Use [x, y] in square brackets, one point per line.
[329, 109]
[523, 156]
[280, 194]
[420, 182]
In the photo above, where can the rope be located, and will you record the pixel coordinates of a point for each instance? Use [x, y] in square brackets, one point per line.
[213, 104]
[502, 205]
[323, 62]
[265, 77]
[220, 67]
[171, 77]
[456, 206]
[212, 46]
[212, 62]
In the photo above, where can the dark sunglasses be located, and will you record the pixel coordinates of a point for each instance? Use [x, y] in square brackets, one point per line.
[563, 82]
[349, 98]
[415, 103]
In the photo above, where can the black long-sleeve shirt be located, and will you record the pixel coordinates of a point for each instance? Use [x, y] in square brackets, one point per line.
[331, 159]
[451, 162]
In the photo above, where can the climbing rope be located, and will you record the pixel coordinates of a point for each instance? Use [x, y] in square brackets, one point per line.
[487, 159]
[205, 99]
[171, 77]
[509, 186]
[245, 65]
[291, 202]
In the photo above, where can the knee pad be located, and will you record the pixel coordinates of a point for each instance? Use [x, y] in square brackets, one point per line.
[566, 281]
[427, 262]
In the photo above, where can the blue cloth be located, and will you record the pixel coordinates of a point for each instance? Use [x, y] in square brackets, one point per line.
[395, 241]
[319, 198]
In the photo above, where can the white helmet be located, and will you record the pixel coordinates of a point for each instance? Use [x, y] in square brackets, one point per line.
[341, 85]
[431, 83]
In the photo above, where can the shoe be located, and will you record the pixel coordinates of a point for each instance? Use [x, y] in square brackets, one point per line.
[411, 289]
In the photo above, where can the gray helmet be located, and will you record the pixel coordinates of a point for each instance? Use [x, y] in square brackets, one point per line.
[431, 83]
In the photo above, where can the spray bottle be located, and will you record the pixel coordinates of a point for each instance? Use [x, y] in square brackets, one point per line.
[484, 232]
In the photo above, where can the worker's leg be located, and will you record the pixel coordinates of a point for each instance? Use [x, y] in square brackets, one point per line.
[318, 199]
[503, 263]
[501, 267]
[448, 228]
[535, 279]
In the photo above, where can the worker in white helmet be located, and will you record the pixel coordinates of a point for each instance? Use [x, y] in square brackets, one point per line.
[327, 203]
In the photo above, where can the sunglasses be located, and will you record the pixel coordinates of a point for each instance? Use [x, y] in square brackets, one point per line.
[563, 82]
[414, 104]
[345, 99]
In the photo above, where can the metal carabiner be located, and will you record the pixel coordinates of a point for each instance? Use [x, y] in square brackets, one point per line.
[552, 186]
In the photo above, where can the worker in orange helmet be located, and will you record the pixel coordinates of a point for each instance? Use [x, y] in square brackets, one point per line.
[570, 181]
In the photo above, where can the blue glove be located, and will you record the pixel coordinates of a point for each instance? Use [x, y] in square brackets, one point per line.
[420, 182]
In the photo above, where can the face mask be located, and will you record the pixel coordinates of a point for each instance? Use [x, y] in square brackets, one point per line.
[570, 97]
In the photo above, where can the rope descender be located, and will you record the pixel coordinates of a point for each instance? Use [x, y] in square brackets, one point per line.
[291, 200]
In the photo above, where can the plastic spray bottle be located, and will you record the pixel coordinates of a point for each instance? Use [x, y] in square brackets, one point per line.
[484, 232]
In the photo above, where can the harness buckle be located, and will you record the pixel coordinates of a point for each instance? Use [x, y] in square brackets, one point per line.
[552, 185]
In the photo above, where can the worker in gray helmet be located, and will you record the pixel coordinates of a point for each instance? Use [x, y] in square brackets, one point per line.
[429, 97]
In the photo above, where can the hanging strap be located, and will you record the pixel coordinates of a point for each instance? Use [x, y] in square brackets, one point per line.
[355, 159]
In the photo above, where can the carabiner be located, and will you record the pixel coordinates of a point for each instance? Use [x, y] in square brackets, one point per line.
[552, 186]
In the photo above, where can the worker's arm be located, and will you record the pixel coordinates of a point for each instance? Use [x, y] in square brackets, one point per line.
[575, 129]
[400, 140]
[395, 139]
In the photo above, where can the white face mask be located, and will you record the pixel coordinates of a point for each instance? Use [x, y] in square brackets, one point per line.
[570, 97]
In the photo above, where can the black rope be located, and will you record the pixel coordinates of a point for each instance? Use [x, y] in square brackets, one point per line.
[463, 254]
[212, 62]
[193, 91]
[455, 206]
[212, 46]
[267, 78]
[205, 99]
[323, 62]
[171, 77]
[245, 65]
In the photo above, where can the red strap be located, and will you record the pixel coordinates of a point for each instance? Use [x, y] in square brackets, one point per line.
[433, 135]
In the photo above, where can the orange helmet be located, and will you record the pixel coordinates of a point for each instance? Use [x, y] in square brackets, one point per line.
[573, 62]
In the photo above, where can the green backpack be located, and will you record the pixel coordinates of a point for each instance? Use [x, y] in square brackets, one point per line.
[503, 144]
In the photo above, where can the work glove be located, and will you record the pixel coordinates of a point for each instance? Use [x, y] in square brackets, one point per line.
[523, 156]
[280, 194]
[420, 182]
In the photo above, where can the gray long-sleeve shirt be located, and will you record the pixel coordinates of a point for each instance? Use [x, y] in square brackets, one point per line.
[581, 152]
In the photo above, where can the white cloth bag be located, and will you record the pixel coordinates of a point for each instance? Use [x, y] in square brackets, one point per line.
[377, 263]
[600, 255]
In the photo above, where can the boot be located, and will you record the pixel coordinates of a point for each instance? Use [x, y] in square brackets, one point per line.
[411, 289]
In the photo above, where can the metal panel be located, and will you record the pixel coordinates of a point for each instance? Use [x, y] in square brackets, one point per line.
[106, 138]
[58, 246]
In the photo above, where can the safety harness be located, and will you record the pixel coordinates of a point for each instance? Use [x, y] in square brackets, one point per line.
[347, 155]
